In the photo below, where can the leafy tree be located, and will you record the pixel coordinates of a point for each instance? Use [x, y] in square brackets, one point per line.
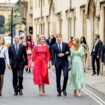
[16, 17]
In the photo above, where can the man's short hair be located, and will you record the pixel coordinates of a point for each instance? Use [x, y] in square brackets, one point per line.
[58, 35]
[98, 36]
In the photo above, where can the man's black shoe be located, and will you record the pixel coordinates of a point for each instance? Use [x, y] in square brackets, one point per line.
[97, 74]
[16, 93]
[59, 94]
[20, 92]
[0, 94]
[64, 93]
[93, 74]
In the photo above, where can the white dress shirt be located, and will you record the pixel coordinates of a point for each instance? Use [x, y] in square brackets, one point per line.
[95, 45]
[16, 45]
[4, 54]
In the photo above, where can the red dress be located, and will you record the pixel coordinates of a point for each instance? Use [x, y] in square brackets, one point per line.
[41, 56]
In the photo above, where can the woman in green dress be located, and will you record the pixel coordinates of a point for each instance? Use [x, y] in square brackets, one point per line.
[77, 76]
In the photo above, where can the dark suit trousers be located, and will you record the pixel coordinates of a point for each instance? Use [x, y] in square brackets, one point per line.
[94, 59]
[59, 68]
[17, 79]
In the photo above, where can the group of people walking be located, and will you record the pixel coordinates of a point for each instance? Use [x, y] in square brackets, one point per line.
[67, 57]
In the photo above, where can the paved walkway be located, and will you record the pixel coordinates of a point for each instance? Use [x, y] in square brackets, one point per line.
[31, 96]
[96, 82]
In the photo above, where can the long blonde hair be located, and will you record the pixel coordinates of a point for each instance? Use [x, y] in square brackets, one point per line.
[75, 47]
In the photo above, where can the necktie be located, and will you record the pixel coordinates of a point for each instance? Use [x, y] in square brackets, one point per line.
[59, 47]
[16, 49]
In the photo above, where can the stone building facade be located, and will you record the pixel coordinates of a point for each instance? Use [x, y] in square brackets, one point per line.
[5, 12]
[70, 18]
[27, 16]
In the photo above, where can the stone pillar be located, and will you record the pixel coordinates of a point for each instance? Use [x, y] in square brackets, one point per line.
[38, 28]
[46, 26]
[97, 25]
[78, 22]
[52, 24]
[65, 27]
[57, 24]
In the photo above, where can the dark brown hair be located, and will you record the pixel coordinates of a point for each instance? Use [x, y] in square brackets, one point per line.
[98, 36]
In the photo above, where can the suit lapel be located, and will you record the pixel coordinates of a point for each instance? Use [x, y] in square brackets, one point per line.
[19, 48]
[63, 46]
[14, 49]
[57, 47]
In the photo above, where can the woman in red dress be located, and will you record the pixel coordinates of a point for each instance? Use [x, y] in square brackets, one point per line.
[40, 58]
[29, 48]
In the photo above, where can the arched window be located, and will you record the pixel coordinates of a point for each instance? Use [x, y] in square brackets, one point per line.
[2, 24]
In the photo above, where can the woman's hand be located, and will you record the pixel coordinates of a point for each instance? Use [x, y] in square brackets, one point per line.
[85, 69]
[48, 65]
[103, 64]
[33, 64]
[9, 66]
[66, 52]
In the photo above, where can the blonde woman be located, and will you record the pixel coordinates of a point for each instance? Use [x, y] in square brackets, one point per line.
[77, 69]
[3, 56]
[40, 58]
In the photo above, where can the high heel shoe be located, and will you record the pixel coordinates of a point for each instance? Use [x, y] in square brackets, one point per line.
[40, 93]
[78, 94]
[74, 92]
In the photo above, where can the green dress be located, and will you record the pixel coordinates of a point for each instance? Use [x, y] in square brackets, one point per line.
[77, 75]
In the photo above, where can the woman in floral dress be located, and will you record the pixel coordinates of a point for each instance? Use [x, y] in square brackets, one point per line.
[77, 76]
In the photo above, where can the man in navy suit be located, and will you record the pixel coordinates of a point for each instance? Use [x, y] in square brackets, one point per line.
[96, 54]
[18, 60]
[103, 54]
[60, 53]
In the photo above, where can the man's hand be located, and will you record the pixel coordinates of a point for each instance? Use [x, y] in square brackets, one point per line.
[98, 57]
[66, 52]
[61, 55]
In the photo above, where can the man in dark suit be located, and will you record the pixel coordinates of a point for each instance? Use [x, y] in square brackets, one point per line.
[60, 53]
[103, 54]
[18, 59]
[96, 54]
[50, 42]
[103, 57]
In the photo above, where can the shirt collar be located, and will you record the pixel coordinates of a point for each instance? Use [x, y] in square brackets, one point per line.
[59, 42]
[17, 44]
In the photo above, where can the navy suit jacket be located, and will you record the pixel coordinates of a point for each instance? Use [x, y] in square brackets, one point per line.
[55, 52]
[98, 49]
[103, 54]
[20, 59]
